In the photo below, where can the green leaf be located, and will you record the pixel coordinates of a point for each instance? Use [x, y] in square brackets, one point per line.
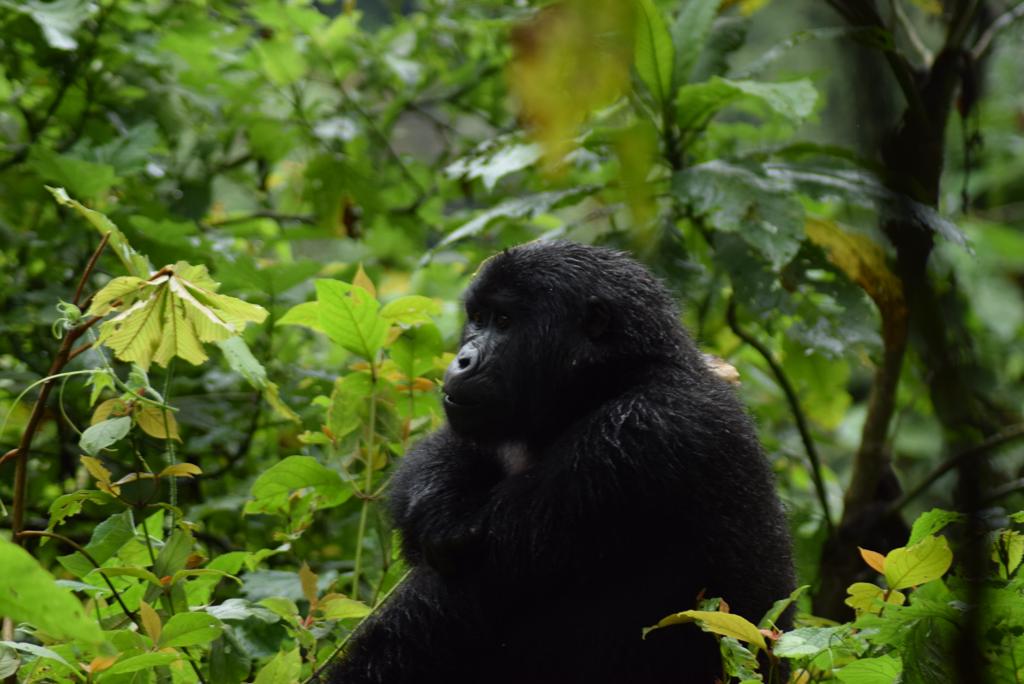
[107, 539]
[28, 593]
[689, 34]
[415, 351]
[517, 208]
[190, 629]
[866, 190]
[58, 19]
[806, 642]
[932, 522]
[67, 505]
[882, 670]
[141, 573]
[735, 199]
[350, 317]
[136, 264]
[39, 652]
[143, 661]
[341, 608]
[85, 178]
[491, 165]
[654, 53]
[174, 555]
[923, 562]
[281, 60]
[283, 668]
[411, 310]
[306, 314]
[698, 103]
[348, 407]
[271, 489]
[725, 624]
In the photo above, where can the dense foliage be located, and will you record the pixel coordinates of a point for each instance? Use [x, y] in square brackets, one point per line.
[234, 237]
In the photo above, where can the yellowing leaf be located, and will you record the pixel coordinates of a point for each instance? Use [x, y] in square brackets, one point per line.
[100, 663]
[725, 624]
[863, 262]
[110, 407]
[181, 470]
[96, 468]
[923, 562]
[865, 597]
[150, 621]
[308, 578]
[151, 419]
[362, 280]
[176, 311]
[571, 58]
[874, 559]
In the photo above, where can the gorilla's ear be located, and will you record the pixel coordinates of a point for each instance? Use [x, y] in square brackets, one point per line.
[597, 317]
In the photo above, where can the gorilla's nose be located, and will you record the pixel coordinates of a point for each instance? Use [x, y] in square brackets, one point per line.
[464, 363]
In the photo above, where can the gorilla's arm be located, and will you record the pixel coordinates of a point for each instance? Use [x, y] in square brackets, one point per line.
[438, 499]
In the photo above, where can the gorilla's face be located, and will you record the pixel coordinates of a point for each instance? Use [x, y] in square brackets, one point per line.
[531, 336]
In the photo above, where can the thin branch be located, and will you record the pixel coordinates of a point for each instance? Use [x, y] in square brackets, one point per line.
[994, 441]
[1004, 490]
[984, 43]
[794, 406]
[59, 361]
[904, 22]
[81, 549]
[89, 266]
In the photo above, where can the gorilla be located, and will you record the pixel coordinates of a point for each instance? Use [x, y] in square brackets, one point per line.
[593, 477]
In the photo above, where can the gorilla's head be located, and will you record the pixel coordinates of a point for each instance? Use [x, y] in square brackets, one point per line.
[552, 329]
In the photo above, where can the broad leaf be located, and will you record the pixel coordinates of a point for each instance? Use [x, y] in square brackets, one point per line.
[698, 103]
[28, 593]
[351, 317]
[101, 435]
[271, 490]
[172, 314]
[923, 562]
[654, 54]
[190, 629]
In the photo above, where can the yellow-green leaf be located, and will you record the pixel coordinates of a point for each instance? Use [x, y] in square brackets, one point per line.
[362, 280]
[307, 579]
[306, 314]
[28, 593]
[411, 310]
[151, 419]
[338, 607]
[865, 597]
[179, 312]
[923, 562]
[181, 470]
[724, 624]
[151, 623]
[351, 317]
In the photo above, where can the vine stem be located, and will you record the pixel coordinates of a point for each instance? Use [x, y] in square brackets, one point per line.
[367, 481]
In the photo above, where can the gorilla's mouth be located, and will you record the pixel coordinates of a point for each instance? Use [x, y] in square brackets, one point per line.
[449, 401]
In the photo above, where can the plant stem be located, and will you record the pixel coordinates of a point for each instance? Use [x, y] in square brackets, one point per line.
[369, 449]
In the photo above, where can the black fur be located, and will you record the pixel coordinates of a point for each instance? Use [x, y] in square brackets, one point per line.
[594, 477]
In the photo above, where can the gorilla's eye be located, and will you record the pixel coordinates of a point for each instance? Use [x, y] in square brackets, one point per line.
[476, 317]
[502, 321]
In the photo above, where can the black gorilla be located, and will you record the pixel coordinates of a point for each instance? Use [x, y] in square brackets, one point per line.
[594, 476]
